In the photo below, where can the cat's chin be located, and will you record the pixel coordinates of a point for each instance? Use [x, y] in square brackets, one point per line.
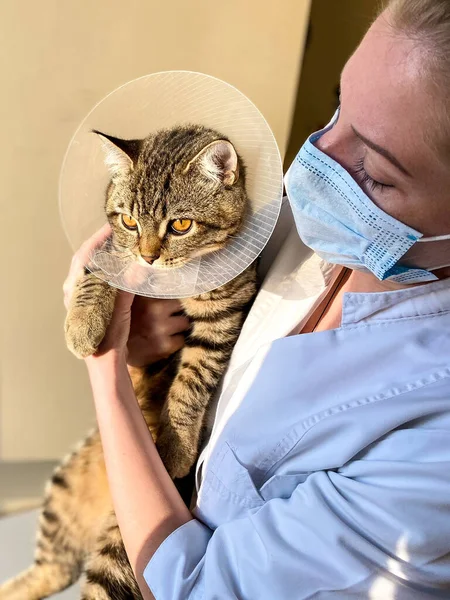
[165, 265]
[168, 265]
[176, 263]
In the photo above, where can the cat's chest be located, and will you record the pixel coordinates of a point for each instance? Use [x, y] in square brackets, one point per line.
[152, 383]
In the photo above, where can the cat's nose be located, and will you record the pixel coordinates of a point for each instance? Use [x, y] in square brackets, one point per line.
[150, 258]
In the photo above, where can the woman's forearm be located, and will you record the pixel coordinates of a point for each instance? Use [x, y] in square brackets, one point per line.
[147, 504]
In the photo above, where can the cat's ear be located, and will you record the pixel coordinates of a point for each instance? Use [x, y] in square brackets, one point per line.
[120, 155]
[217, 161]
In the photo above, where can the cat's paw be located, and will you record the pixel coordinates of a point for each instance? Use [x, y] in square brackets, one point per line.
[85, 328]
[177, 453]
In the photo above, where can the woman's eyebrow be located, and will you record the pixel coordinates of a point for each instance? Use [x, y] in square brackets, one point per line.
[391, 158]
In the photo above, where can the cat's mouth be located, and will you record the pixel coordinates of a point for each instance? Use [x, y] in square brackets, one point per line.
[175, 263]
[164, 264]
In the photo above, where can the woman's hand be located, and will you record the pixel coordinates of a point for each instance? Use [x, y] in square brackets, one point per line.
[142, 329]
[156, 330]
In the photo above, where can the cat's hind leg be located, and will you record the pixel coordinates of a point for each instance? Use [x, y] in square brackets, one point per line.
[58, 557]
[40, 581]
[76, 503]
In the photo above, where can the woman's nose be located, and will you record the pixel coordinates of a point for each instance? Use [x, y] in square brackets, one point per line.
[330, 143]
[338, 146]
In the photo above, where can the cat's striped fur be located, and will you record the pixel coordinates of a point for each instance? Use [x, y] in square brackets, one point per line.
[78, 530]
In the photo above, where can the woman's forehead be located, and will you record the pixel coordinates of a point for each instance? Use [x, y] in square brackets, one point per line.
[385, 94]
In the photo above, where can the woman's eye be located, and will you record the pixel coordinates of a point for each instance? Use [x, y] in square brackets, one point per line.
[365, 179]
[129, 222]
[180, 226]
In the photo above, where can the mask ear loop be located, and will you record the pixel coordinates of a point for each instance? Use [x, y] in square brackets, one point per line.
[418, 257]
[435, 238]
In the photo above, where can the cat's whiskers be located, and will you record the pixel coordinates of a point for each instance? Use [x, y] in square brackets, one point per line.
[207, 250]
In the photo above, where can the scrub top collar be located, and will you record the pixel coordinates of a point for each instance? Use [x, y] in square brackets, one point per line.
[408, 303]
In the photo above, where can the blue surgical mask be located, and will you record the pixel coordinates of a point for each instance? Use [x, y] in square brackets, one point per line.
[340, 222]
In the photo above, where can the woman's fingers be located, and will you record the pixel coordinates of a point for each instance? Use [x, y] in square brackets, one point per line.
[161, 307]
[81, 258]
[171, 344]
[175, 325]
[118, 330]
[142, 352]
[154, 315]
[156, 330]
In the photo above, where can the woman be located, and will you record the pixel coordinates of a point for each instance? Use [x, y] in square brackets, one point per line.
[327, 471]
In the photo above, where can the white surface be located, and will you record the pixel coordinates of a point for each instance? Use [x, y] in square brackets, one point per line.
[17, 535]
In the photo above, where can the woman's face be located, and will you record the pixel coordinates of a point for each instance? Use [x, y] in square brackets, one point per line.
[382, 137]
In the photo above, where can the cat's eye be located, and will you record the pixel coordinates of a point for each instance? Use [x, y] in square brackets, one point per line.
[180, 226]
[129, 222]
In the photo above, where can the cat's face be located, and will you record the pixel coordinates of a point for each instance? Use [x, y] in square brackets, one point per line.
[175, 195]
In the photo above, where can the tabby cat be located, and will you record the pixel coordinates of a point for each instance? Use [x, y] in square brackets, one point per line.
[175, 195]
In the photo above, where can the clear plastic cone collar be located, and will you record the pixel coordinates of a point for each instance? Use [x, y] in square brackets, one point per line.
[133, 112]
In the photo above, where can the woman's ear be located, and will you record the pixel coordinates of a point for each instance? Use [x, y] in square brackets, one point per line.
[120, 155]
[217, 161]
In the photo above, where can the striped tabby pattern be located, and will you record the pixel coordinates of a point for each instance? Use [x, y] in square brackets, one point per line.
[187, 172]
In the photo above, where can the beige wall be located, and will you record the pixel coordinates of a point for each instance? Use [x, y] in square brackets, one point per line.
[58, 59]
[336, 27]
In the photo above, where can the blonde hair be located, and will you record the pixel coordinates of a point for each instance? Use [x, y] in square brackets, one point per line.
[428, 22]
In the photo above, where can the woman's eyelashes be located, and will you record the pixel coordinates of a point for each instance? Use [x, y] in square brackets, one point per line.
[364, 179]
